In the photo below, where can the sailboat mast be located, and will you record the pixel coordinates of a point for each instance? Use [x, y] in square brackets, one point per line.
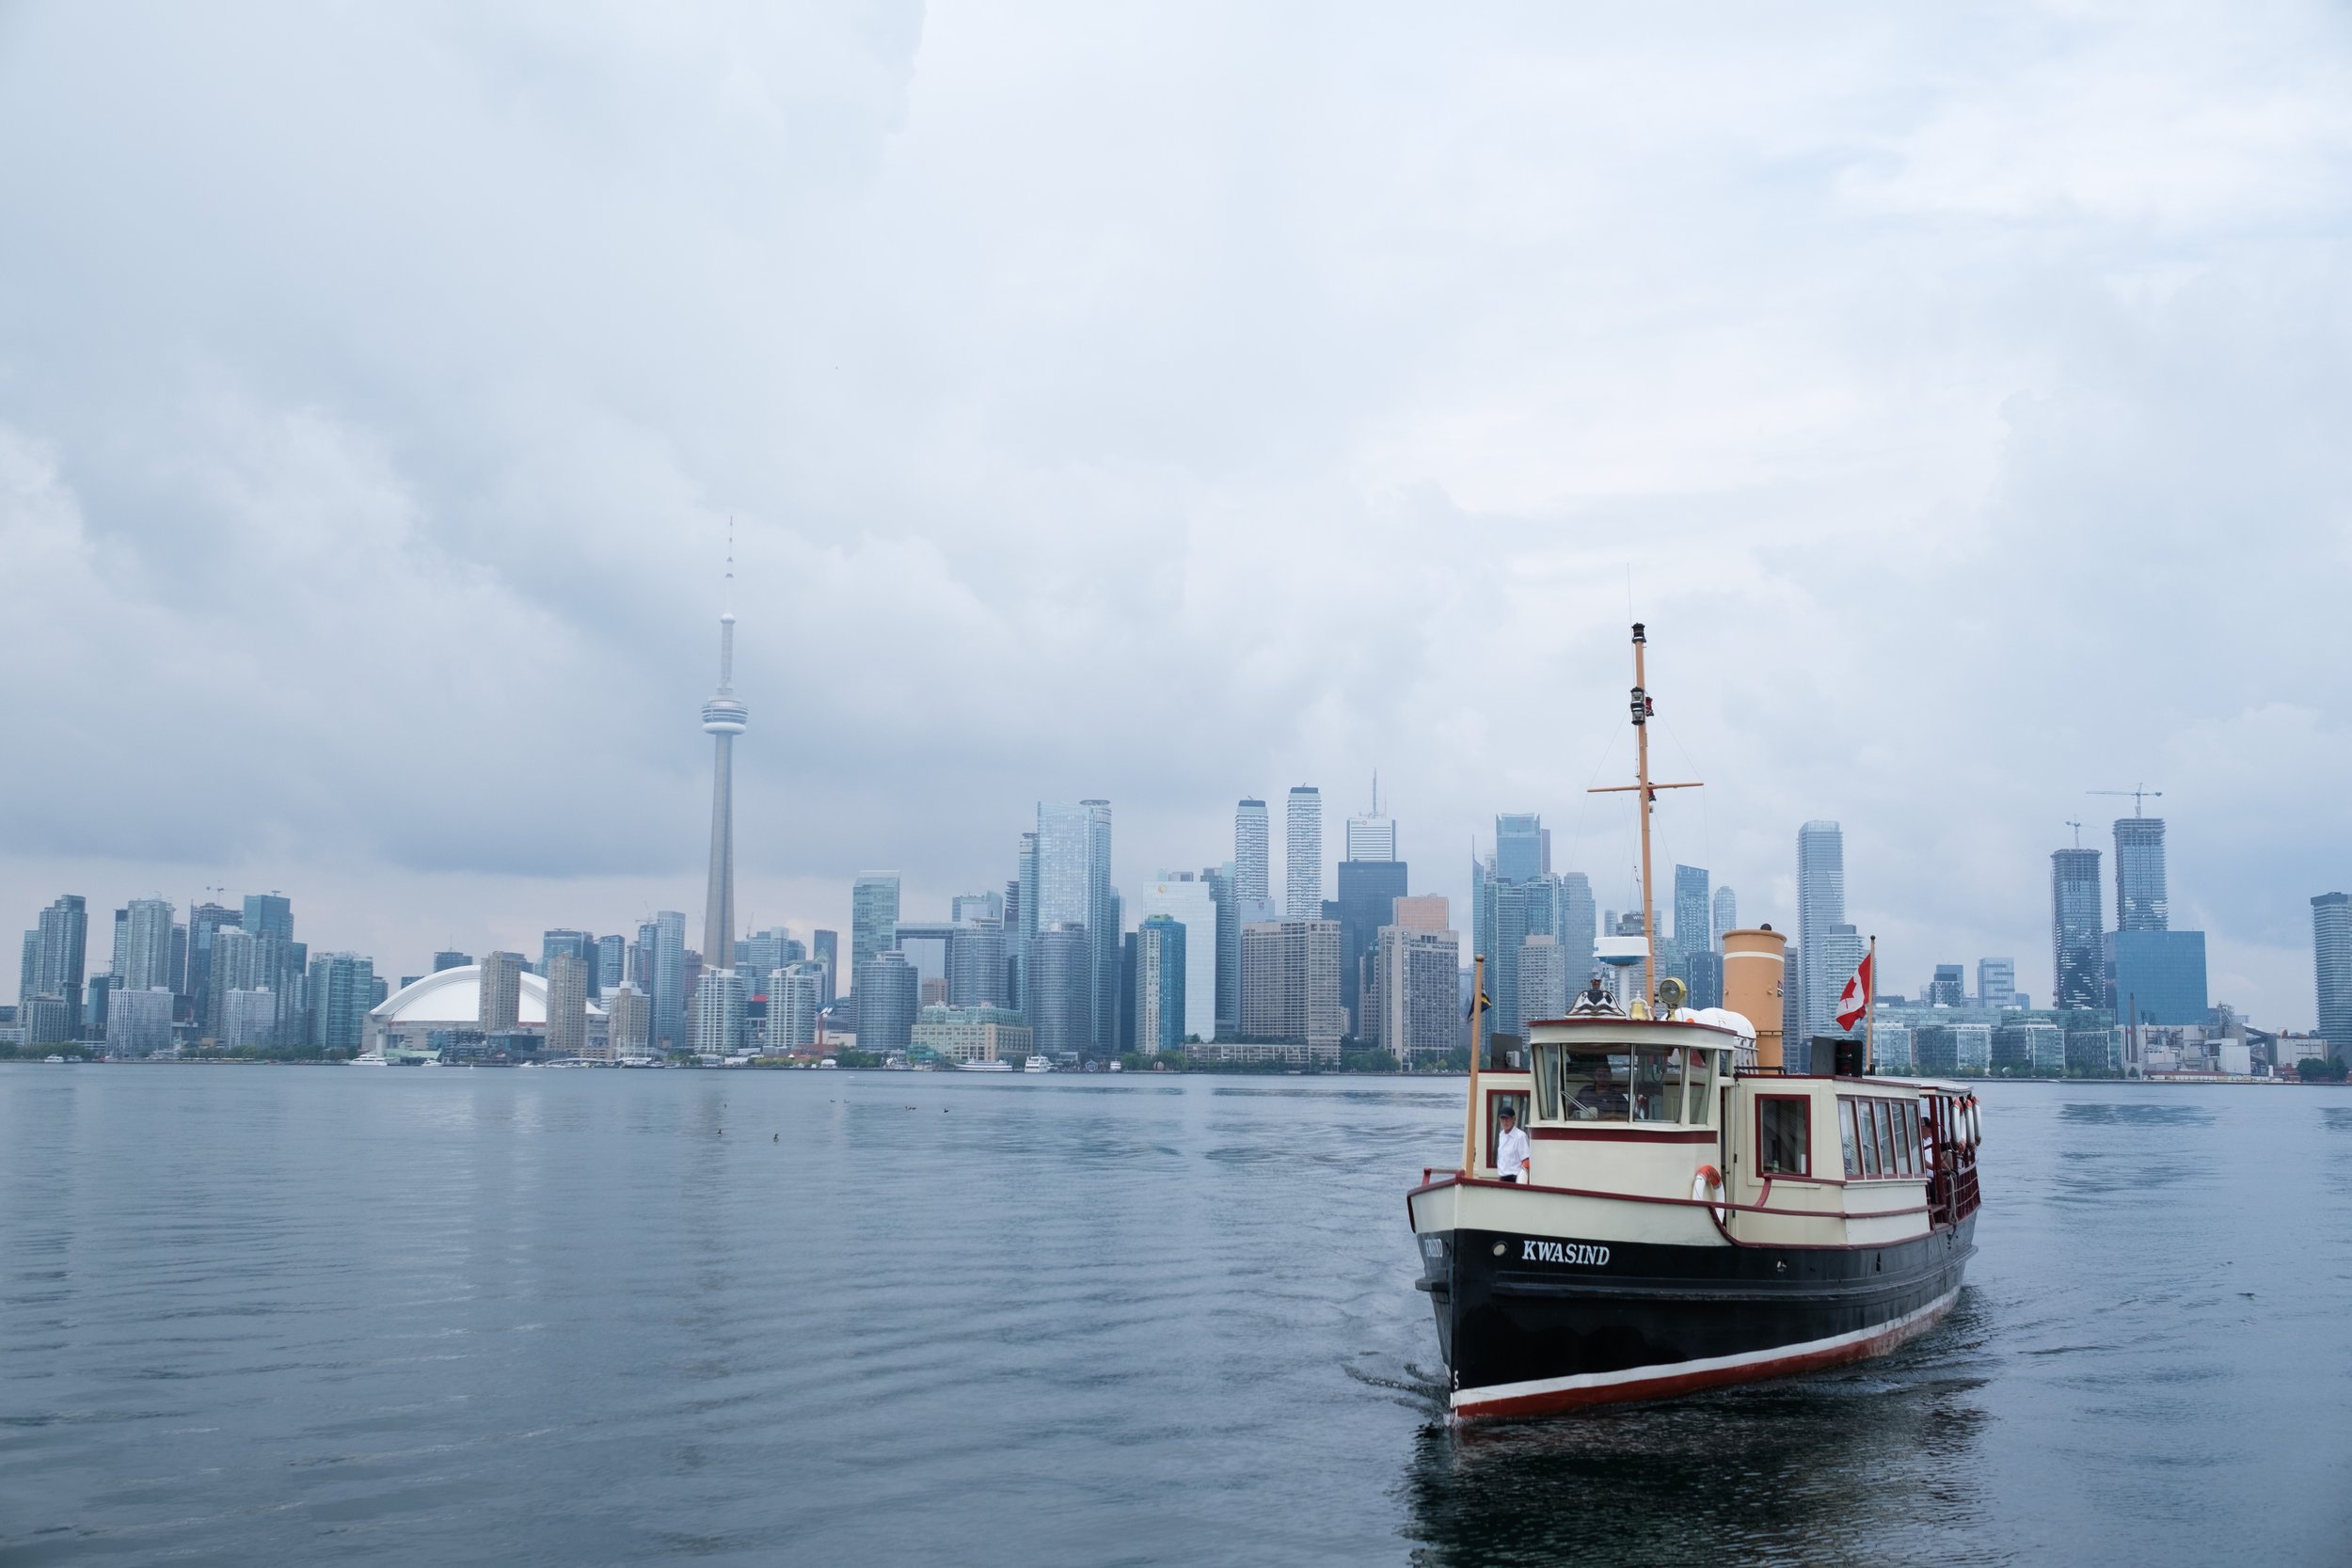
[1641, 754]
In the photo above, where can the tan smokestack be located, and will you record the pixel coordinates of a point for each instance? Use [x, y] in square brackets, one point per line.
[1753, 963]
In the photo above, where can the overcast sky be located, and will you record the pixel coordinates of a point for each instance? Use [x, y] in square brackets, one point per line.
[1173, 403]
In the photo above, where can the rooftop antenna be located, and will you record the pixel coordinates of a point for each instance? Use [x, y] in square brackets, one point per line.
[2135, 794]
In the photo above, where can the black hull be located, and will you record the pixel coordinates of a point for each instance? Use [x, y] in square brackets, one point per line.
[1536, 1324]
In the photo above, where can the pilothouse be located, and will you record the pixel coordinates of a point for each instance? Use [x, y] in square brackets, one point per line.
[1692, 1212]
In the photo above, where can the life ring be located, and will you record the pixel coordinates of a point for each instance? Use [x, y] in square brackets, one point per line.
[1706, 1184]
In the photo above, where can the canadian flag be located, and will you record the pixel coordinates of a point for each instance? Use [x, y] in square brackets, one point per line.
[1854, 1001]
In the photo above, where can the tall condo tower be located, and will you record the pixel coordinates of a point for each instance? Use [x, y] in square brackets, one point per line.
[724, 718]
[2075, 959]
[2331, 966]
[1820, 906]
[1302, 859]
[1251, 879]
[2140, 904]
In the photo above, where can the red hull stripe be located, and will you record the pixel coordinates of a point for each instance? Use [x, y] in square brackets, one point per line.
[1544, 1395]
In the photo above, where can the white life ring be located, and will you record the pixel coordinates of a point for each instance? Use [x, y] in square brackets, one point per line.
[1706, 1186]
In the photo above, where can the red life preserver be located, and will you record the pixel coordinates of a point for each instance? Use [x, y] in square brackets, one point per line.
[1707, 1180]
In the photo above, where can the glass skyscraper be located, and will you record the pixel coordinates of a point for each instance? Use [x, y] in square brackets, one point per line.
[886, 996]
[2331, 969]
[343, 988]
[1074, 891]
[669, 980]
[1367, 894]
[269, 914]
[1060, 1002]
[873, 918]
[580, 944]
[2075, 963]
[1518, 845]
[146, 959]
[57, 949]
[2156, 976]
[825, 947]
[1105, 922]
[1996, 983]
[1820, 906]
[2140, 904]
[1701, 968]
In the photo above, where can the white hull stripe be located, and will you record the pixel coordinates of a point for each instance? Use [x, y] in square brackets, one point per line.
[1496, 1391]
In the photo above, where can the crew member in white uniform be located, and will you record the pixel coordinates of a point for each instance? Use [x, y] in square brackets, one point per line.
[1511, 1154]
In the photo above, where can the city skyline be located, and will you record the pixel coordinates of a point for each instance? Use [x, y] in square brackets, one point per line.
[401, 611]
[147, 941]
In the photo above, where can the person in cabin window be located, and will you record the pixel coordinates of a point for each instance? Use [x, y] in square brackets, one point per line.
[1511, 1153]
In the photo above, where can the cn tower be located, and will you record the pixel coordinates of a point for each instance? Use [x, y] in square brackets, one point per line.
[724, 718]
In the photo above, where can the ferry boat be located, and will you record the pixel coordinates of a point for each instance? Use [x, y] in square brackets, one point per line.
[1692, 1214]
[984, 1067]
[1038, 1062]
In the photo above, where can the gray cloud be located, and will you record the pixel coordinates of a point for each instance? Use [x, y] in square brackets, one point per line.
[1170, 404]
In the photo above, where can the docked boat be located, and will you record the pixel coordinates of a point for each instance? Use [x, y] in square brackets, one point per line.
[1037, 1064]
[984, 1067]
[1690, 1213]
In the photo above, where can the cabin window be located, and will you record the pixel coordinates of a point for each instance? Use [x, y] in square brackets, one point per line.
[1890, 1161]
[1583, 1086]
[1873, 1153]
[1496, 1101]
[1911, 1139]
[1844, 1136]
[1657, 1084]
[1783, 1135]
[1699, 1078]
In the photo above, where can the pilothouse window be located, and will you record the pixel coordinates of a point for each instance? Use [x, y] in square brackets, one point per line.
[1583, 1086]
[1700, 1077]
[1657, 1084]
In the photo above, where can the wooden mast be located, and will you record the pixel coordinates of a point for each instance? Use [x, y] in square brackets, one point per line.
[1478, 1022]
[1647, 792]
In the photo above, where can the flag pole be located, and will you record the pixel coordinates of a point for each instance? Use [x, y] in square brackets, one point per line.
[1870, 1013]
[1478, 1024]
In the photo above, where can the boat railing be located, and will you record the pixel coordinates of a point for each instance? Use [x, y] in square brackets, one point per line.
[1432, 1176]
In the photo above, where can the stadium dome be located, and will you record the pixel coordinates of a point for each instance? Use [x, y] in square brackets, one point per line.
[452, 999]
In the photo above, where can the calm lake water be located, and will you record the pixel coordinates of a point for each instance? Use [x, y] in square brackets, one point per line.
[284, 1315]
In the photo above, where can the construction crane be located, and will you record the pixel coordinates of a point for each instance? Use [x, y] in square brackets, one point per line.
[2078, 831]
[2135, 794]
